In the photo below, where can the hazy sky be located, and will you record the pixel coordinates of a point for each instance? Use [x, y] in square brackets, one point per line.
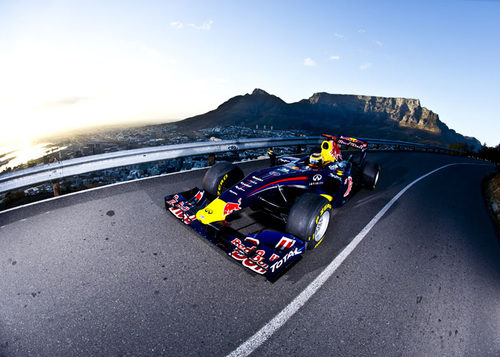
[75, 63]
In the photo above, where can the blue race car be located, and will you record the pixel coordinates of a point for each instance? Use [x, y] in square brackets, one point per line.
[295, 193]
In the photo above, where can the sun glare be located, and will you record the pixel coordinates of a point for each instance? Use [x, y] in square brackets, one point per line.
[27, 151]
[48, 88]
[22, 152]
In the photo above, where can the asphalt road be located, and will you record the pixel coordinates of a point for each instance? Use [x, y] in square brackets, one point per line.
[108, 272]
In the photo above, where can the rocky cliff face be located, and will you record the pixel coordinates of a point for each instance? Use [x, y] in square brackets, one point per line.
[407, 113]
[355, 115]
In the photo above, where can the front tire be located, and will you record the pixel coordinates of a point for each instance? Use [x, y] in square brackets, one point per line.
[309, 218]
[220, 177]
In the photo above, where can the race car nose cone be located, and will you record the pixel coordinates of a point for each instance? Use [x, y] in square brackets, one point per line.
[212, 213]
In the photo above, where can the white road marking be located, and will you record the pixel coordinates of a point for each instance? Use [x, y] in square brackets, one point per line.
[279, 320]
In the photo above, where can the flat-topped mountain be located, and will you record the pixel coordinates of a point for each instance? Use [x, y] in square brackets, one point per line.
[355, 115]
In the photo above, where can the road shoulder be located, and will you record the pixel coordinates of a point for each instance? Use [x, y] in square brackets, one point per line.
[491, 189]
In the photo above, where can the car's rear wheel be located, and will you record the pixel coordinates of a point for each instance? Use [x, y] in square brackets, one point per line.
[370, 174]
[220, 177]
[309, 218]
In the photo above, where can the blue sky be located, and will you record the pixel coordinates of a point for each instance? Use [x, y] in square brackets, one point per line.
[77, 63]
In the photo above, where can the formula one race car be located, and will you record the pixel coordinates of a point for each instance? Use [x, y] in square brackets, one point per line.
[298, 192]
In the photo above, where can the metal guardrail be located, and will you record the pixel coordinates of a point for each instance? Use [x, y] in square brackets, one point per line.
[58, 170]
[398, 143]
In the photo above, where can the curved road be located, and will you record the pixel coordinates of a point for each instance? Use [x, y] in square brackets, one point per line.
[108, 272]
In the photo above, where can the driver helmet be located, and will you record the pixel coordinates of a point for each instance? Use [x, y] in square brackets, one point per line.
[315, 159]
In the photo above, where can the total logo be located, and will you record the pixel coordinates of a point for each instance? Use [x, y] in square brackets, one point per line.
[289, 255]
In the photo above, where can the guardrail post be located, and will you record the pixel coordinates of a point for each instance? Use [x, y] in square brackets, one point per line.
[211, 159]
[56, 187]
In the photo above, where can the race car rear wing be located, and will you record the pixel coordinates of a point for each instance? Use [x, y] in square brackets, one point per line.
[349, 141]
[352, 142]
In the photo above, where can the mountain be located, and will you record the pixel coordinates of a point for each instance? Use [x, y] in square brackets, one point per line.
[354, 115]
[245, 110]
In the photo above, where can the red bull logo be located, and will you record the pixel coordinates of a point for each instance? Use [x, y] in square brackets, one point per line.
[359, 144]
[230, 207]
[335, 152]
[348, 182]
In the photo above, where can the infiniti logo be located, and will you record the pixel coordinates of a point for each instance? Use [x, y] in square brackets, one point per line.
[317, 177]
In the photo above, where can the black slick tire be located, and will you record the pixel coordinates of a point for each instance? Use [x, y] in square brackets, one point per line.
[308, 219]
[220, 177]
[370, 175]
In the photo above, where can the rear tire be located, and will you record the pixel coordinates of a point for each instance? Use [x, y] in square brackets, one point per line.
[370, 174]
[309, 218]
[220, 177]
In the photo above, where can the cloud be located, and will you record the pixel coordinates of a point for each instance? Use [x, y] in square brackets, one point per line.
[361, 30]
[378, 43]
[177, 24]
[338, 35]
[63, 102]
[309, 62]
[365, 66]
[334, 58]
[206, 26]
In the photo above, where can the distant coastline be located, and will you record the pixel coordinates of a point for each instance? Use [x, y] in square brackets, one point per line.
[22, 154]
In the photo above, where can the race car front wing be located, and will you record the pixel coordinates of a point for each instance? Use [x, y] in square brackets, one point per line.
[266, 253]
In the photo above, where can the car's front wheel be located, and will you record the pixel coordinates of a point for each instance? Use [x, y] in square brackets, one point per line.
[220, 177]
[309, 218]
